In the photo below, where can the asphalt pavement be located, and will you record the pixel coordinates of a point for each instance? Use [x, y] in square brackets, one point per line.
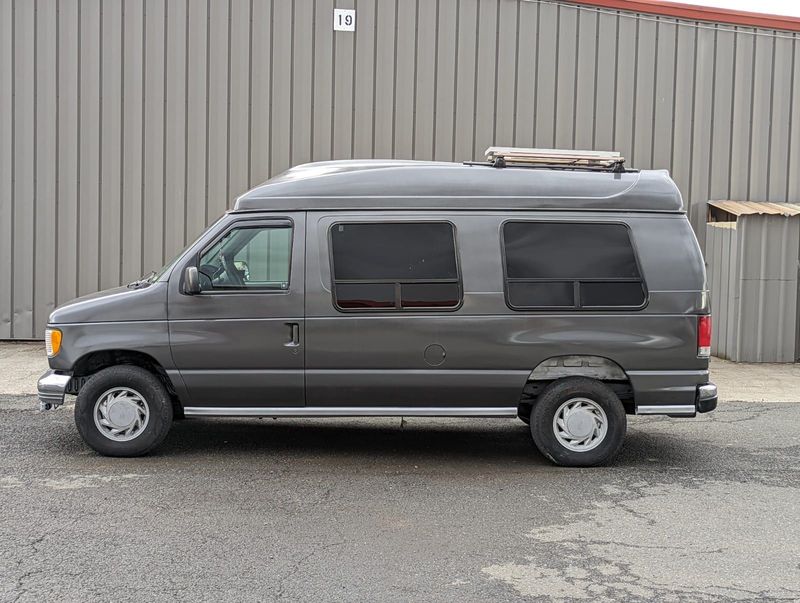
[390, 510]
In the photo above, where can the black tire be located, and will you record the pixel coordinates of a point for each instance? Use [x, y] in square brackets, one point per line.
[549, 402]
[150, 388]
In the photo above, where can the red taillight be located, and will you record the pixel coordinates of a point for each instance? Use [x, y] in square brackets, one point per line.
[704, 336]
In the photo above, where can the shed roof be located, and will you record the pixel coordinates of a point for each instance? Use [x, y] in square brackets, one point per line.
[396, 184]
[746, 208]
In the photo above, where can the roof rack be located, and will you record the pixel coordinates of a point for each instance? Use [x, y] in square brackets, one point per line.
[555, 158]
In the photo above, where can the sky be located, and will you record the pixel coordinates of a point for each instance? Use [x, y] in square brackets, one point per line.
[776, 7]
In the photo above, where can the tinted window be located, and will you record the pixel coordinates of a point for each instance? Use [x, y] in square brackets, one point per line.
[541, 294]
[248, 258]
[395, 266]
[570, 265]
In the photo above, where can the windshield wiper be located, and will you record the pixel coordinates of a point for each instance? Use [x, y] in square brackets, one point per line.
[142, 282]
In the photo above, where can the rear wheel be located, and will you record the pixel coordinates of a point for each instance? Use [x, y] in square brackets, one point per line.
[578, 422]
[123, 411]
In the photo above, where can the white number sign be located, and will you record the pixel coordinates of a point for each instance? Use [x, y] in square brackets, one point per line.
[344, 19]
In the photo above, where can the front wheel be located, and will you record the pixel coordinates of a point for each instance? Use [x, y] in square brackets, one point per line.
[123, 411]
[578, 422]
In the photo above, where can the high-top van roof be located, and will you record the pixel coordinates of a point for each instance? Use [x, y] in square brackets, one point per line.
[396, 184]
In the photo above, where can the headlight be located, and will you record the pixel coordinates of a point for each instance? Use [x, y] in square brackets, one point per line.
[52, 341]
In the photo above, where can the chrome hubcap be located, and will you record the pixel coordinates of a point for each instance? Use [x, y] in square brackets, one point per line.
[580, 424]
[121, 414]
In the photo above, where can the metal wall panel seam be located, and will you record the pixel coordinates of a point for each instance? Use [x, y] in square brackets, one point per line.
[291, 86]
[413, 85]
[575, 77]
[733, 106]
[394, 83]
[536, 70]
[228, 112]
[475, 74]
[750, 123]
[771, 114]
[435, 81]
[455, 80]
[165, 128]
[374, 69]
[688, 189]
[795, 81]
[516, 75]
[594, 83]
[12, 200]
[712, 117]
[35, 166]
[653, 132]
[208, 108]
[557, 70]
[120, 231]
[496, 69]
[142, 137]
[333, 88]
[186, 119]
[632, 146]
[313, 80]
[57, 167]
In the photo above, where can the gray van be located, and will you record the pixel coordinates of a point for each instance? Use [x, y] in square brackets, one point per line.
[566, 292]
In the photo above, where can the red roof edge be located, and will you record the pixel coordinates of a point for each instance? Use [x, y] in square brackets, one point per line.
[699, 13]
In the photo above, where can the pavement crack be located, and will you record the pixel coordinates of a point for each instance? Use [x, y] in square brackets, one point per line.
[294, 568]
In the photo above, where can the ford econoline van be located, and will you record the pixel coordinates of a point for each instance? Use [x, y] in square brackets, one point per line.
[558, 288]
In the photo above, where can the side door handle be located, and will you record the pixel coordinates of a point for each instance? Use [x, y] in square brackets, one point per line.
[294, 335]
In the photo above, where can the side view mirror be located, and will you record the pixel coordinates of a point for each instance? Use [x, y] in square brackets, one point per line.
[191, 281]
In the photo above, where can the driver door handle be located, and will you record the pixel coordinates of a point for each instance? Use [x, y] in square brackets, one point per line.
[294, 335]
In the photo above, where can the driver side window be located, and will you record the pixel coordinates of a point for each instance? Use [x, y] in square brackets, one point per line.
[248, 258]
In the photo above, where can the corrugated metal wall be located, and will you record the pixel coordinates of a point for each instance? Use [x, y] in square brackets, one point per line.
[753, 274]
[132, 124]
[722, 259]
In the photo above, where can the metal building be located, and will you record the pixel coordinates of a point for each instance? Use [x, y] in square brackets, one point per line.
[753, 255]
[126, 126]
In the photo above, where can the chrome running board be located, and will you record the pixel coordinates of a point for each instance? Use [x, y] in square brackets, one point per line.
[348, 411]
[667, 409]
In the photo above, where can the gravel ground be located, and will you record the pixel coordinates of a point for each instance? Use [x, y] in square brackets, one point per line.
[376, 510]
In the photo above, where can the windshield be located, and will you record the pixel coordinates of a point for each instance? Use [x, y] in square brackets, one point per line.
[156, 275]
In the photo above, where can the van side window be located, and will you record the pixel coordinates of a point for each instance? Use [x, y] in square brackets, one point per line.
[249, 257]
[394, 266]
[570, 266]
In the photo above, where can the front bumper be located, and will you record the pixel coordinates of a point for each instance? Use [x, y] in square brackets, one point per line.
[705, 401]
[52, 387]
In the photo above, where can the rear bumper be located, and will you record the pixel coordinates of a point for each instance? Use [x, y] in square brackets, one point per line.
[52, 386]
[705, 401]
[706, 397]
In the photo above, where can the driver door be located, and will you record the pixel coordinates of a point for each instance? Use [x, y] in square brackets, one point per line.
[239, 342]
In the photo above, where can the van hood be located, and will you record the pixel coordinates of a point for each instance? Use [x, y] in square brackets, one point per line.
[120, 304]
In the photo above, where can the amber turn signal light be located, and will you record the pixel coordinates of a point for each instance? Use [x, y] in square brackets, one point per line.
[52, 341]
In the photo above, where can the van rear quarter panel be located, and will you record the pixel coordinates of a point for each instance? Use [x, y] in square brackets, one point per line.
[485, 340]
